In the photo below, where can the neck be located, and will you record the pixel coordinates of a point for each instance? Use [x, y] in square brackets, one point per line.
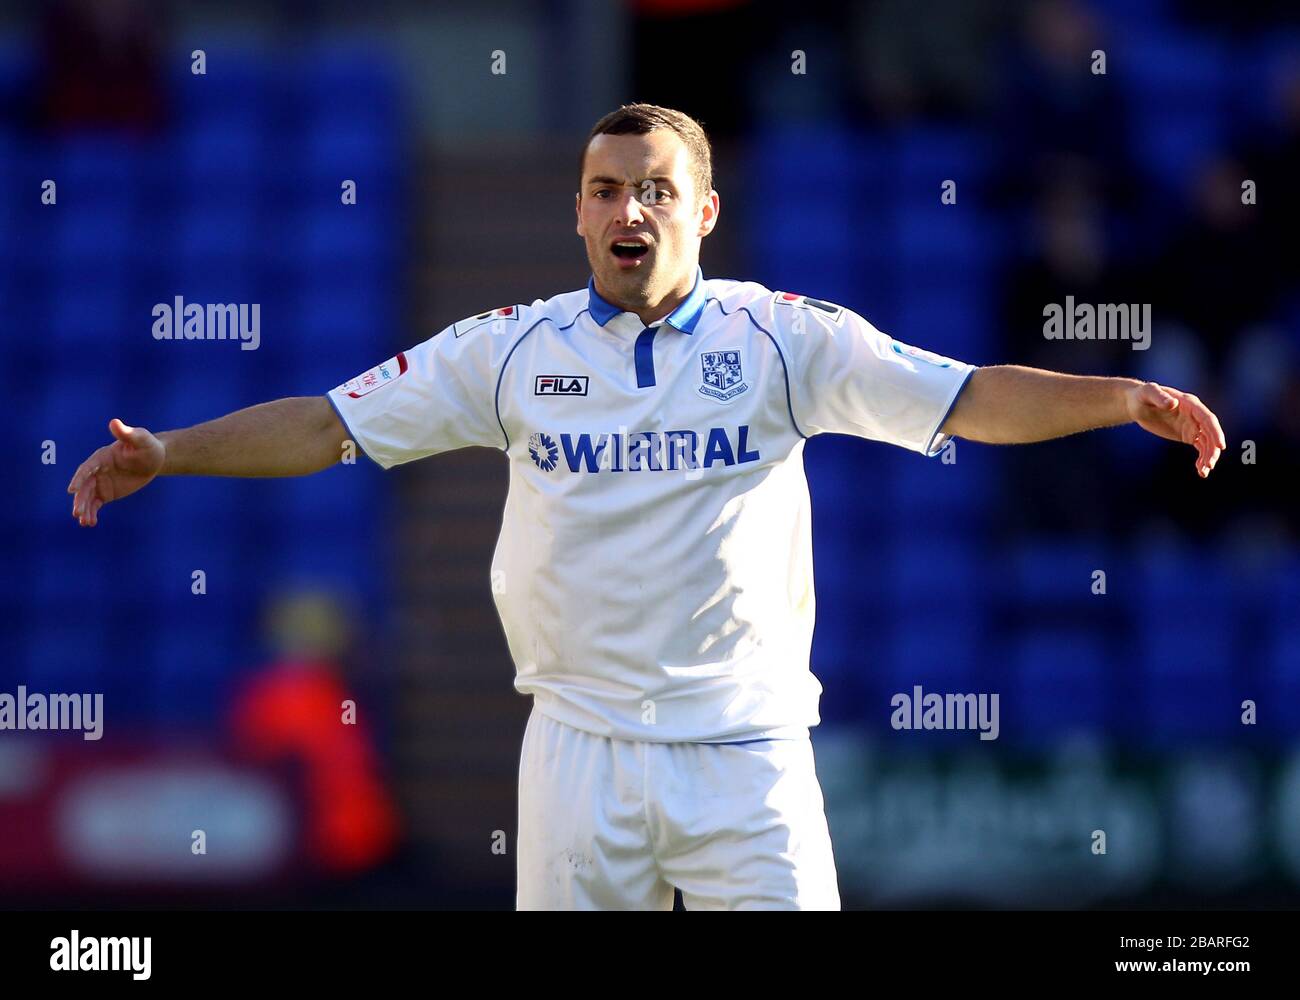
[649, 313]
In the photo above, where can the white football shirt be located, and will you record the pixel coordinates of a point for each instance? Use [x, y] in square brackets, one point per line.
[654, 568]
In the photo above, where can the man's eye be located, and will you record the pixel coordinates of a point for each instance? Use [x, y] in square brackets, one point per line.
[599, 193]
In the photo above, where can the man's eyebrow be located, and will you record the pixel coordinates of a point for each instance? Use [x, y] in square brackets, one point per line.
[614, 182]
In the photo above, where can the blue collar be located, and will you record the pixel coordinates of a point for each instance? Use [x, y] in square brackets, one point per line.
[683, 318]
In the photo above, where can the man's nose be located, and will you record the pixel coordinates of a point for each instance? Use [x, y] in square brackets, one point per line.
[631, 211]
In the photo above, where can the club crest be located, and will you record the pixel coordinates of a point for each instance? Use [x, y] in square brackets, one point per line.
[723, 379]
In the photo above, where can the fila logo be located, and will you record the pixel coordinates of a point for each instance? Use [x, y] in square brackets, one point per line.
[560, 385]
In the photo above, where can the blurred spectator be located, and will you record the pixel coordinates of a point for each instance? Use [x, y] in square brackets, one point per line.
[1071, 258]
[1218, 274]
[1238, 18]
[721, 34]
[1272, 161]
[294, 708]
[903, 67]
[1057, 113]
[100, 66]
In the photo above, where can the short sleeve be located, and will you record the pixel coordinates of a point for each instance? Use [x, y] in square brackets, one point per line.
[438, 396]
[846, 377]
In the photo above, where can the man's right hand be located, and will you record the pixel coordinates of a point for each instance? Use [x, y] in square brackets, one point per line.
[115, 471]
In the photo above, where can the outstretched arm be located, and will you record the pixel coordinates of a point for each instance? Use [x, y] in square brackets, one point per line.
[1011, 404]
[285, 437]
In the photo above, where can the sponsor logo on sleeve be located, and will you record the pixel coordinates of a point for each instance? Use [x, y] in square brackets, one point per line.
[938, 360]
[506, 314]
[829, 310]
[378, 377]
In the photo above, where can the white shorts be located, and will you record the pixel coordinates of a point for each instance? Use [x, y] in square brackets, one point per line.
[610, 824]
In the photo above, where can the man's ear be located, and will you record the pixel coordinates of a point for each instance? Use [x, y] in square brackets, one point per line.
[709, 213]
[577, 208]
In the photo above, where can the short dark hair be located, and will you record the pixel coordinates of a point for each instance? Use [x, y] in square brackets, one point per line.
[641, 119]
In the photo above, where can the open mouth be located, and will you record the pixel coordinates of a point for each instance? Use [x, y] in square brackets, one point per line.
[630, 249]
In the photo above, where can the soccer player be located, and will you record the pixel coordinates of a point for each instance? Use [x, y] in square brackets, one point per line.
[654, 567]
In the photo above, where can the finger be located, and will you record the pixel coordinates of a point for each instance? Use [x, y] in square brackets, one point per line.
[1199, 445]
[1211, 434]
[120, 430]
[84, 495]
[91, 466]
[1212, 426]
[94, 511]
[1159, 397]
[74, 484]
[1202, 456]
[1207, 422]
[1208, 448]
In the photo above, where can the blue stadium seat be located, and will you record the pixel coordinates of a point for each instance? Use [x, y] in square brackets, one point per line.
[225, 155]
[190, 668]
[1178, 93]
[236, 78]
[929, 155]
[65, 650]
[332, 236]
[346, 76]
[92, 312]
[938, 571]
[91, 168]
[1058, 684]
[217, 234]
[354, 147]
[320, 318]
[1058, 572]
[957, 492]
[1191, 687]
[1175, 580]
[96, 235]
[933, 644]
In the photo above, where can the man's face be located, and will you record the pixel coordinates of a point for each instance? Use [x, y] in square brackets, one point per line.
[638, 190]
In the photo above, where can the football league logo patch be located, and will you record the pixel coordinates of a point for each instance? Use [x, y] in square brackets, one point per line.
[723, 378]
[378, 377]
